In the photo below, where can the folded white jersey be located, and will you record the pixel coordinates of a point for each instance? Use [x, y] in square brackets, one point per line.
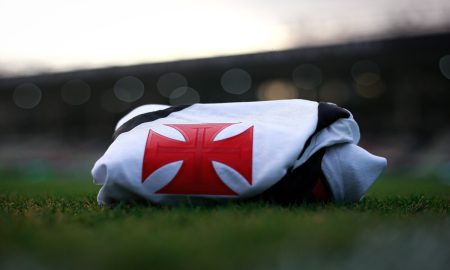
[285, 150]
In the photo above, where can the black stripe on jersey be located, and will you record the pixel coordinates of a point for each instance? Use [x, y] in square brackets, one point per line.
[297, 185]
[327, 114]
[147, 117]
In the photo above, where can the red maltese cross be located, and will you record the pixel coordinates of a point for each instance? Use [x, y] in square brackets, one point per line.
[197, 174]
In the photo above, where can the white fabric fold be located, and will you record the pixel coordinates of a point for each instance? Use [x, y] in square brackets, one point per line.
[350, 171]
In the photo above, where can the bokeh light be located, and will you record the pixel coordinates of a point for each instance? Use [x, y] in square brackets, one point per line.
[365, 72]
[277, 89]
[168, 82]
[335, 91]
[27, 96]
[129, 89]
[370, 91]
[368, 83]
[307, 76]
[236, 81]
[184, 96]
[444, 66]
[75, 92]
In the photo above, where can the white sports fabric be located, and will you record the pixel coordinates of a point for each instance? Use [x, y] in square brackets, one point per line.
[279, 135]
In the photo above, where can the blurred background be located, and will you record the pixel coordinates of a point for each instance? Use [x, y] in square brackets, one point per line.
[70, 69]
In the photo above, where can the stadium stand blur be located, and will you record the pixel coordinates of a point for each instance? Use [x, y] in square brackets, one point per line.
[398, 90]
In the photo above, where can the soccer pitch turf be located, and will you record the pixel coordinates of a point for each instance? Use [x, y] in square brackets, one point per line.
[54, 222]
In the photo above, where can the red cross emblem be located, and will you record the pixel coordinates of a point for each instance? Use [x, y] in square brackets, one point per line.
[197, 174]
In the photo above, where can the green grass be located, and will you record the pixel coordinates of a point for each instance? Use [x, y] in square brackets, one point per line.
[54, 222]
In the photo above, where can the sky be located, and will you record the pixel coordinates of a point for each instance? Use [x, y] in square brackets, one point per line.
[54, 35]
